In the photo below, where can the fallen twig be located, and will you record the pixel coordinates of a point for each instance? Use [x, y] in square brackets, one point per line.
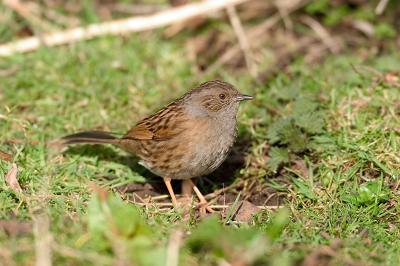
[24, 12]
[148, 199]
[322, 33]
[116, 27]
[283, 12]
[43, 240]
[156, 204]
[174, 245]
[381, 7]
[243, 41]
[364, 26]
[137, 9]
[256, 36]
[215, 207]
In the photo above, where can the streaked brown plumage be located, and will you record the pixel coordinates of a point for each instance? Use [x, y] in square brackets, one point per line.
[188, 138]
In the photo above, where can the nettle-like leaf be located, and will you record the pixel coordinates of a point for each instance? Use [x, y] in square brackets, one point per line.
[290, 92]
[303, 106]
[295, 139]
[285, 132]
[294, 132]
[312, 122]
[276, 130]
[277, 156]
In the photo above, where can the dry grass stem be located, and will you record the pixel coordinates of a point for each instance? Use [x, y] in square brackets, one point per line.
[256, 36]
[137, 9]
[43, 240]
[322, 33]
[381, 7]
[37, 24]
[41, 226]
[243, 41]
[174, 245]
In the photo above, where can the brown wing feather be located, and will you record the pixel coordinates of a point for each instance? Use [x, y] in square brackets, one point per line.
[163, 125]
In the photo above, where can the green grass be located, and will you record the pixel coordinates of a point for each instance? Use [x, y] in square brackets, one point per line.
[340, 125]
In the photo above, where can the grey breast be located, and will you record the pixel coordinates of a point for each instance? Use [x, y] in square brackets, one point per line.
[210, 155]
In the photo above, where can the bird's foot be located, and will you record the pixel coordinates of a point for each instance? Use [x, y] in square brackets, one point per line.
[204, 207]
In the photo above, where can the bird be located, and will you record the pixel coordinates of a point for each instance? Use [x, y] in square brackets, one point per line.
[188, 138]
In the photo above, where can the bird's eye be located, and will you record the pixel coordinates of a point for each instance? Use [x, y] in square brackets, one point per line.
[222, 96]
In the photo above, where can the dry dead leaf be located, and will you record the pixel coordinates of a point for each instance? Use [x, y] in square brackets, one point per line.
[300, 166]
[392, 78]
[5, 156]
[11, 178]
[323, 254]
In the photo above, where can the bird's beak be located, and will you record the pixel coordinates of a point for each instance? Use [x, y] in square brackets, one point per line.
[243, 97]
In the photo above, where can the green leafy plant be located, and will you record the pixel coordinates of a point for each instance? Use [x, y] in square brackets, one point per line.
[368, 193]
[119, 227]
[294, 132]
[245, 245]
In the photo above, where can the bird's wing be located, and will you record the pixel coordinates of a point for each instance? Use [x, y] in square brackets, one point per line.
[163, 125]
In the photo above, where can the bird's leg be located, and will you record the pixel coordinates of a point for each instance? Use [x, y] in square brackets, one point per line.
[167, 182]
[187, 188]
[203, 202]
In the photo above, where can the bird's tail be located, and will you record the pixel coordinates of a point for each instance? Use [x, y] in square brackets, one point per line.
[89, 137]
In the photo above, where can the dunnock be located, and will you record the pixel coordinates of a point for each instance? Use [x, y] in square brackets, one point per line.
[188, 138]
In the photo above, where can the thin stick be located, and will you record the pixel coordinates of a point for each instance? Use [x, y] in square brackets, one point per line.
[284, 14]
[41, 227]
[135, 195]
[214, 207]
[243, 41]
[117, 27]
[274, 207]
[257, 36]
[137, 9]
[43, 240]
[159, 204]
[381, 7]
[148, 199]
[174, 245]
[254, 36]
[322, 33]
[24, 12]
